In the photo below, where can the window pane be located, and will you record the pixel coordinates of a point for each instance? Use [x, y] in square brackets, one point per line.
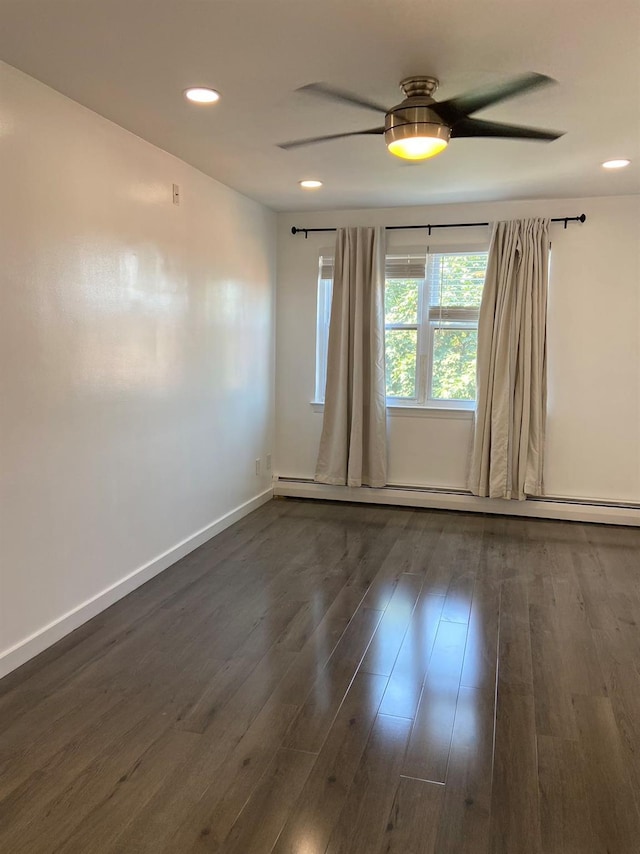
[401, 347]
[325, 287]
[401, 300]
[458, 279]
[454, 364]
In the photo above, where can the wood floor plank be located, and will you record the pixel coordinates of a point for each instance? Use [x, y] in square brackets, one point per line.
[209, 788]
[235, 780]
[129, 793]
[66, 804]
[481, 652]
[616, 550]
[368, 563]
[260, 823]
[312, 659]
[218, 775]
[456, 551]
[412, 825]
[409, 555]
[407, 677]
[311, 726]
[619, 663]
[29, 780]
[390, 631]
[466, 808]
[316, 812]
[430, 742]
[564, 806]
[457, 603]
[30, 742]
[514, 651]
[515, 809]
[578, 571]
[614, 811]
[362, 824]
[576, 643]
[199, 710]
[553, 705]
[306, 621]
[494, 549]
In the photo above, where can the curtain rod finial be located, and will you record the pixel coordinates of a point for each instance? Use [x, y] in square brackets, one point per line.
[294, 230]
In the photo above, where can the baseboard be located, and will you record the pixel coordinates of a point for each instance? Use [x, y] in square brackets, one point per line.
[571, 510]
[45, 637]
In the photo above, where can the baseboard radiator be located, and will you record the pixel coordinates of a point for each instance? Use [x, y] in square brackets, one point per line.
[549, 507]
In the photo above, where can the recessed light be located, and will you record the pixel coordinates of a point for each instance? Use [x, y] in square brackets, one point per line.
[616, 164]
[310, 184]
[201, 95]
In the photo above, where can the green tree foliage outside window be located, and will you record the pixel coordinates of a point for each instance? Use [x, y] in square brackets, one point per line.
[401, 300]
[454, 364]
[401, 307]
[462, 279]
[401, 346]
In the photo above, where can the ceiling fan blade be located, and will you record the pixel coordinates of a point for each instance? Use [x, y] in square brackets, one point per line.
[478, 99]
[478, 127]
[312, 140]
[331, 93]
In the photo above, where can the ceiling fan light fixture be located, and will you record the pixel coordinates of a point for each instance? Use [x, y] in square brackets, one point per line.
[415, 132]
[417, 147]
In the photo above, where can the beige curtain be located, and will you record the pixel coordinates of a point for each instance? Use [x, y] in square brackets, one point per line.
[353, 447]
[508, 444]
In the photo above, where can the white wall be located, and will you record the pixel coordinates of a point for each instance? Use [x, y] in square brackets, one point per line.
[136, 359]
[593, 443]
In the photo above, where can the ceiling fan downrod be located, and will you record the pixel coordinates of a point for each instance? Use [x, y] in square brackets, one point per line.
[419, 86]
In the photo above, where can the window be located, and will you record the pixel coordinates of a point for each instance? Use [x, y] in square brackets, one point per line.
[432, 303]
[325, 285]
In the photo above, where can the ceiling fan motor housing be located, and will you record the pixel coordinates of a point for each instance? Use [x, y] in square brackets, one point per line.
[414, 118]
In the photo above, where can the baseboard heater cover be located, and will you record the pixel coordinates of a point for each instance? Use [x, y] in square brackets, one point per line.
[548, 507]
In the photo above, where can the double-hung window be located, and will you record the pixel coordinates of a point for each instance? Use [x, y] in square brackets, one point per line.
[432, 303]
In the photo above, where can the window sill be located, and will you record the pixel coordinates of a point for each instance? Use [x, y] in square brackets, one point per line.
[452, 414]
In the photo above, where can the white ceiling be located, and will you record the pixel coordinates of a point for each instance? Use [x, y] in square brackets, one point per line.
[130, 61]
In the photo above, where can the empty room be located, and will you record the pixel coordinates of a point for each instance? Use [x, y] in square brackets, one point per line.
[319, 427]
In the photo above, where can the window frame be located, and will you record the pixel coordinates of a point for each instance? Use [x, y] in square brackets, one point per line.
[425, 326]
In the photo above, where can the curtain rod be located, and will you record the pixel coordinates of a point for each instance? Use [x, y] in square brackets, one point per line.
[564, 219]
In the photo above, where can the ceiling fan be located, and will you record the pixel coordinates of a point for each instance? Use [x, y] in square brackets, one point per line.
[420, 127]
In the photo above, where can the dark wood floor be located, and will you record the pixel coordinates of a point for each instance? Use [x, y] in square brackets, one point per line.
[332, 679]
